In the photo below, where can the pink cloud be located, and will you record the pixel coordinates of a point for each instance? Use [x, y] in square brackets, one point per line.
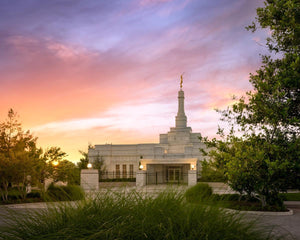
[150, 2]
[114, 76]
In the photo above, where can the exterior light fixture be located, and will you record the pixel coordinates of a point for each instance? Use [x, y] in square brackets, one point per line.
[89, 166]
[55, 163]
[192, 166]
[141, 167]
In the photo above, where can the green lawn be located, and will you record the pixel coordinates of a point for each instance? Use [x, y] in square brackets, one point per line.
[290, 196]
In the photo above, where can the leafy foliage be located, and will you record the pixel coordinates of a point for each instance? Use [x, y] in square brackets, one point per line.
[97, 162]
[266, 158]
[212, 171]
[281, 17]
[23, 163]
[84, 160]
[59, 168]
[19, 156]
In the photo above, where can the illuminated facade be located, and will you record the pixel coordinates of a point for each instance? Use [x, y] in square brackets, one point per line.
[167, 161]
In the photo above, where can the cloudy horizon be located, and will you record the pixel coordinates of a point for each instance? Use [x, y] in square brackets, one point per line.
[80, 72]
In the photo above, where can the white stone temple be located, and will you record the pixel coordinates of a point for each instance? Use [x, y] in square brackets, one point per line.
[173, 159]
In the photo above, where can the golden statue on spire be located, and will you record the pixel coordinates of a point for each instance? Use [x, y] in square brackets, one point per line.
[181, 80]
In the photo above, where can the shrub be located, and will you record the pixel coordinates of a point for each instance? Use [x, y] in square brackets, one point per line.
[130, 215]
[234, 197]
[199, 193]
[14, 194]
[64, 193]
[33, 194]
[226, 197]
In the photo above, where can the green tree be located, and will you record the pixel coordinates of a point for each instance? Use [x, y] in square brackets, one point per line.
[84, 160]
[265, 159]
[67, 172]
[54, 154]
[59, 168]
[98, 163]
[19, 156]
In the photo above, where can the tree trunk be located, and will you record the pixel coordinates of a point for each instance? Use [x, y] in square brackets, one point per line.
[4, 192]
[263, 201]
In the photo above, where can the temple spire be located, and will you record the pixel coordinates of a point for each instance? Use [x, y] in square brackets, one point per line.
[180, 118]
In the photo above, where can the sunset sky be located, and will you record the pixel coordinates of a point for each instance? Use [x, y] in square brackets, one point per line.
[80, 72]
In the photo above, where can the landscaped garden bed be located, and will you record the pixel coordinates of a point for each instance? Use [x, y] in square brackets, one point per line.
[202, 193]
[132, 215]
[53, 193]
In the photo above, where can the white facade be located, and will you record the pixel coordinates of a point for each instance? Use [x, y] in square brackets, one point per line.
[167, 161]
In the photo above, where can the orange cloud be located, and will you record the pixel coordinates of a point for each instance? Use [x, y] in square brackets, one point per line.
[108, 71]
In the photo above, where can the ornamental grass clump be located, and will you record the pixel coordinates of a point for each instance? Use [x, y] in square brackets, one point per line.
[63, 193]
[131, 215]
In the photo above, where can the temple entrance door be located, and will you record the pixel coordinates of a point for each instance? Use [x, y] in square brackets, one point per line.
[174, 174]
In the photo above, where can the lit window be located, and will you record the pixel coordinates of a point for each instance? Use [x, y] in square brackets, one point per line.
[117, 171]
[131, 170]
[124, 172]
